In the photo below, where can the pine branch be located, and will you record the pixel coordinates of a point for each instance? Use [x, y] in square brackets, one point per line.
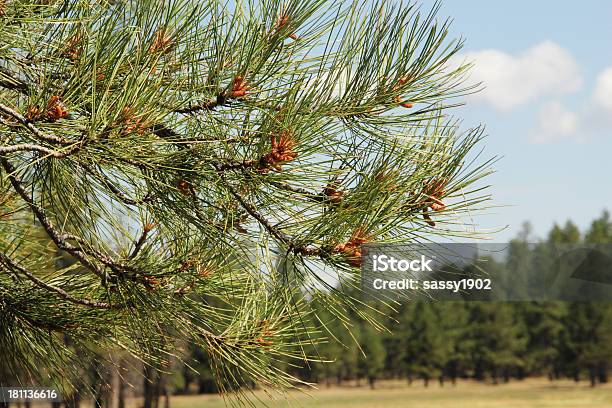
[140, 242]
[211, 104]
[316, 197]
[279, 235]
[276, 233]
[11, 82]
[28, 147]
[32, 128]
[60, 239]
[62, 293]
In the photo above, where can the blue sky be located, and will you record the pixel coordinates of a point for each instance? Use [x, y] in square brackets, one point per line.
[547, 66]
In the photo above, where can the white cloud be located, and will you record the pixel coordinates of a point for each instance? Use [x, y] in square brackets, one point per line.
[512, 80]
[556, 123]
[591, 117]
[602, 96]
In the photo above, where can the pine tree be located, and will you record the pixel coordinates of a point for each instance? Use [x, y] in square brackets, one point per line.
[545, 329]
[455, 325]
[588, 338]
[427, 349]
[371, 365]
[174, 151]
[499, 340]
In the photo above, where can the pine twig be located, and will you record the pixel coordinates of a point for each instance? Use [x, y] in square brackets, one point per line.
[62, 293]
[11, 82]
[30, 126]
[58, 238]
[29, 147]
[211, 104]
[279, 235]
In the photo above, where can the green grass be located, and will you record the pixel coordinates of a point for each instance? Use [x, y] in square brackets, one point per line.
[526, 394]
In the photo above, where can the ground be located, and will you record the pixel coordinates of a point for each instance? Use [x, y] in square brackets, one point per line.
[538, 393]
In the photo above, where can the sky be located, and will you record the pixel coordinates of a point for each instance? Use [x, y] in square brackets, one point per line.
[547, 106]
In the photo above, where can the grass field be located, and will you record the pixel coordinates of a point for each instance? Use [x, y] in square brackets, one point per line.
[526, 394]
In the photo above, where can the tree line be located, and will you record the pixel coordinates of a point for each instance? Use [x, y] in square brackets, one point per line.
[486, 341]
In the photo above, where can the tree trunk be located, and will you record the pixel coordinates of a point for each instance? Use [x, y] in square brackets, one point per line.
[122, 395]
[556, 373]
[453, 372]
[149, 386]
[166, 397]
[592, 376]
[188, 379]
[99, 380]
[602, 372]
[479, 372]
[115, 386]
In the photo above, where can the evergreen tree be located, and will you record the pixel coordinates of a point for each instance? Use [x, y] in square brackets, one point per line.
[545, 329]
[569, 234]
[371, 365]
[175, 150]
[427, 349]
[347, 359]
[395, 341]
[499, 340]
[455, 325]
[518, 263]
[580, 341]
[600, 231]
[589, 328]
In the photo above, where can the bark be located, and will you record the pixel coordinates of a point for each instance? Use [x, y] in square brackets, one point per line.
[117, 391]
[592, 376]
[602, 372]
[115, 386]
[166, 397]
[149, 386]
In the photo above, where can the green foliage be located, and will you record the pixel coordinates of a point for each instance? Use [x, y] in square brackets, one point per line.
[372, 366]
[174, 152]
[427, 346]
